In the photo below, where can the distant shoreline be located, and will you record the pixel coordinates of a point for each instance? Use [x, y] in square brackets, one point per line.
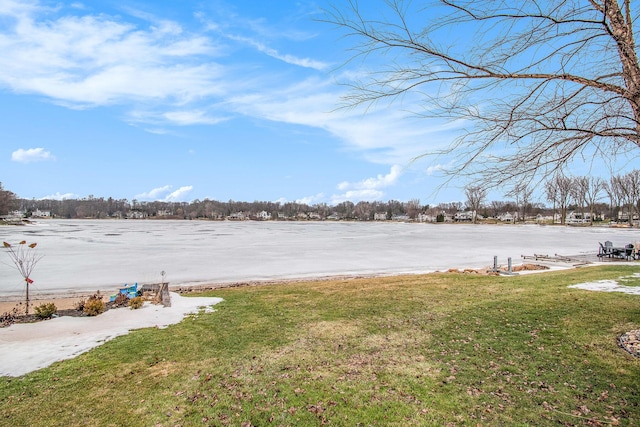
[479, 222]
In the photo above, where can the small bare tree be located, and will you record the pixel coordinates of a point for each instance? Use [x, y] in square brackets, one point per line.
[622, 184]
[632, 182]
[551, 193]
[522, 193]
[24, 257]
[578, 191]
[413, 208]
[593, 193]
[558, 191]
[475, 198]
[497, 207]
[614, 189]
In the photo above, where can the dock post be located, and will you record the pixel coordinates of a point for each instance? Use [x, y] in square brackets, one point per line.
[495, 263]
[509, 266]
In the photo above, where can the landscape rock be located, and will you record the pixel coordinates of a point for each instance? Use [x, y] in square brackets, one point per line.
[630, 342]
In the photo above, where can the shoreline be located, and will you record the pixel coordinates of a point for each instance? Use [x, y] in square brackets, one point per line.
[67, 300]
[64, 300]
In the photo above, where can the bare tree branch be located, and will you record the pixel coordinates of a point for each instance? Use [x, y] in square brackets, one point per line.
[538, 84]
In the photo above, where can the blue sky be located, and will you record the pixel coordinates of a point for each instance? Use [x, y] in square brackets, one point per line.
[184, 100]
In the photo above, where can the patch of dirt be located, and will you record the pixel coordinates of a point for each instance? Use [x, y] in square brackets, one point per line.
[9, 318]
[501, 269]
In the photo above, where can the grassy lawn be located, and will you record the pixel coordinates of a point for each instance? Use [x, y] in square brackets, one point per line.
[438, 349]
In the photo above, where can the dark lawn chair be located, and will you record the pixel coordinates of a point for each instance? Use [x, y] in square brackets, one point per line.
[606, 249]
[602, 252]
[629, 252]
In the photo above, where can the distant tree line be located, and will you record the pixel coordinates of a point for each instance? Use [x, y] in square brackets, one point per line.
[102, 208]
[99, 207]
[592, 197]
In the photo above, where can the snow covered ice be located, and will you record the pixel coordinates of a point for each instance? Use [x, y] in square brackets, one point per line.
[90, 255]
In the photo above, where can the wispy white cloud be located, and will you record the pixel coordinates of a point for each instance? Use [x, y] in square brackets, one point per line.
[155, 194]
[165, 194]
[180, 194]
[159, 122]
[380, 181]
[31, 155]
[288, 58]
[92, 60]
[310, 200]
[83, 61]
[158, 131]
[381, 135]
[357, 196]
[18, 7]
[60, 196]
[194, 117]
[369, 188]
[434, 169]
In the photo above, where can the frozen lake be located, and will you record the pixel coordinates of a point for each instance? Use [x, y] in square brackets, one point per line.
[87, 255]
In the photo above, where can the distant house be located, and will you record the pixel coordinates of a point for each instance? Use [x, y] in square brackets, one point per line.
[14, 217]
[238, 216]
[578, 218]
[136, 214]
[465, 216]
[264, 216]
[623, 216]
[41, 214]
[555, 218]
[380, 216]
[508, 217]
[424, 217]
[446, 217]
